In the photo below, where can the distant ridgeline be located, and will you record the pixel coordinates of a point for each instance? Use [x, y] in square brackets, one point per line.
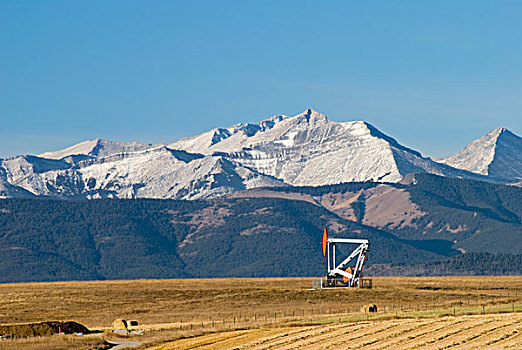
[425, 225]
[307, 149]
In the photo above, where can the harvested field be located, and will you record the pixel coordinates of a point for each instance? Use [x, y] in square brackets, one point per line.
[278, 312]
[96, 304]
[462, 332]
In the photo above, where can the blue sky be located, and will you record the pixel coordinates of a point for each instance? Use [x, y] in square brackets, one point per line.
[432, 74]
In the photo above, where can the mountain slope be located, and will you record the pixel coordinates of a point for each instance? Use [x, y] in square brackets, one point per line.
[10, 191]
[96, 148]
[498, 153]
[114, 239]
[156, 172]
[303, 150]
[439, 214]
[310, 150]
[265, 232]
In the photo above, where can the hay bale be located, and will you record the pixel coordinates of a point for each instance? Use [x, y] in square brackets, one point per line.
[370, 308]
[119, 325]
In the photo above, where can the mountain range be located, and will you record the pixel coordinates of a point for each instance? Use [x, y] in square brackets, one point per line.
[302, 150]
[252, 200]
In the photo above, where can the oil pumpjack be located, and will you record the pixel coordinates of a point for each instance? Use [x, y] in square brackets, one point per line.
[340, 275]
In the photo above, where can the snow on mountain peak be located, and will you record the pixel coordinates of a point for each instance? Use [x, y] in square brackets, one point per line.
[306, 149]
[96, 148]
[309, 149]
[84, 147]
[498, 153]
[310, 116]
[275, 118]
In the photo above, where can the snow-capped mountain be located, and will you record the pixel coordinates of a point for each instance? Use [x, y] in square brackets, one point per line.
[310, 150]
[8, 191]
[157, 172]
[306, 149]
[96, 148]
[498, 153]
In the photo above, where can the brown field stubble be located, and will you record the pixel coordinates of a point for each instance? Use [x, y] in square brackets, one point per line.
[493, 331]
[185, 308]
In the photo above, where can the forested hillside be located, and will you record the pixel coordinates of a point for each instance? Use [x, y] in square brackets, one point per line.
[261, 234]
[113, 239]
[471, 264]
[470, 216]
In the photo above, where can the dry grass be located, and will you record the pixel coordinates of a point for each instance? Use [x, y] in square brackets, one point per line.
[207, 306]
[491, 331]
[96, 304]
[61, 342]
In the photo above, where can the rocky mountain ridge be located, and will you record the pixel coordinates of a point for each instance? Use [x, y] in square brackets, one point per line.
[302, 150]
[498, 153]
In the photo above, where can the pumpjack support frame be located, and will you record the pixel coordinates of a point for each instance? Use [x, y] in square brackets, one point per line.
[337, 274]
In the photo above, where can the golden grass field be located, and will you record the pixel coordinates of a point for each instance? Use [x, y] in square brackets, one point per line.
[463, 332]
[276, 313]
